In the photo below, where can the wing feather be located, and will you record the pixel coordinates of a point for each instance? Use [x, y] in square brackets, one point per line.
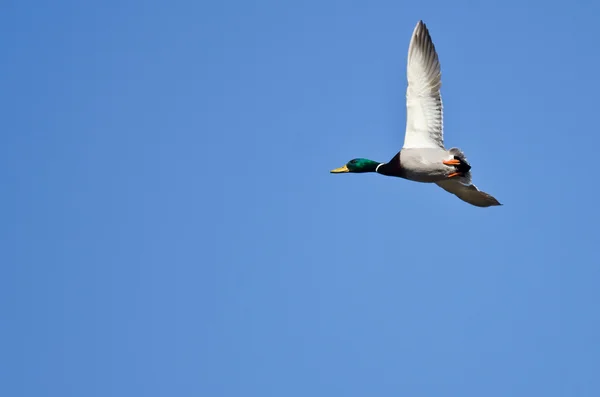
[424, 110]
[468, 193]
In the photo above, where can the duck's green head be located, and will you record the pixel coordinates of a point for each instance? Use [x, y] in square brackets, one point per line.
[358, 166]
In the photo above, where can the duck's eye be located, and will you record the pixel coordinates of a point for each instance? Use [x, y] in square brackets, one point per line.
[352, 161]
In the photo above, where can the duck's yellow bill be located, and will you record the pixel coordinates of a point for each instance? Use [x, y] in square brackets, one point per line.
[340, 170]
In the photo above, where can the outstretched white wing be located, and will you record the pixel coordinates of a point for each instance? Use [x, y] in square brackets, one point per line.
[424, 114]
[468, 193]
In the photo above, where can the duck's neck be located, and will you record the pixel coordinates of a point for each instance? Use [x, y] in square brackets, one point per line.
[385, 169]
[380, 168]
[391, 168]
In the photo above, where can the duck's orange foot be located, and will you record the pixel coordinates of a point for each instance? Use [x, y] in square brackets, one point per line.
[451, 162]
[452, 175]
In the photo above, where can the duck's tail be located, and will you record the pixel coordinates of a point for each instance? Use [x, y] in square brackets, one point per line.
[464, 167]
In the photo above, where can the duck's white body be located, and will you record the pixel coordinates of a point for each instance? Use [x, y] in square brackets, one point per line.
[426, 164]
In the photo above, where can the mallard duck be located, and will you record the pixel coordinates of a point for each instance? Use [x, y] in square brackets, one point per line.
[423, 157]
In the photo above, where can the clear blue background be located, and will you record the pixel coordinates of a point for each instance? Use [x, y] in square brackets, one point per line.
[169, 226]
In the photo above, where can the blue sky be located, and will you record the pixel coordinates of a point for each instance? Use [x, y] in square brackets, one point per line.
[170, 227]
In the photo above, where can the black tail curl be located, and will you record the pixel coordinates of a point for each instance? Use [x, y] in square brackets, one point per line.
[464, 165]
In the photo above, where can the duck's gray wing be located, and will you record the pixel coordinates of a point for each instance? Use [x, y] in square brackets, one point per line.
[424, 112]
[468, 193]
